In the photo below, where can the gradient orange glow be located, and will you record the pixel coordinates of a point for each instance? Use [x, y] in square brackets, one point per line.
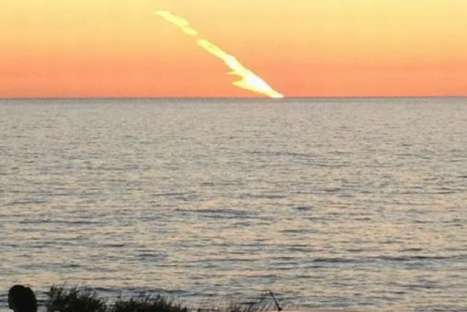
[112, 48]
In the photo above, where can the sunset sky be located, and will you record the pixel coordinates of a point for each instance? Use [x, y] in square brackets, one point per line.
[113, 48]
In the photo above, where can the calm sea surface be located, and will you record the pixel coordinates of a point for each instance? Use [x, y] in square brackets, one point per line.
[329, 203]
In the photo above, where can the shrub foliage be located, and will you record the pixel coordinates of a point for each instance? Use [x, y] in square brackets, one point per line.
[61, 299]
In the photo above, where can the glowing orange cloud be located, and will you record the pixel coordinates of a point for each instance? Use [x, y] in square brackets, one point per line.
[249, 80]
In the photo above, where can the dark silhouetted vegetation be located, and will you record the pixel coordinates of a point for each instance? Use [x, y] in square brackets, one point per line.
[147, 304]
[75, 299]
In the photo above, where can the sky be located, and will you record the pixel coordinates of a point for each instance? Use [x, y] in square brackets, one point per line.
[317, 48]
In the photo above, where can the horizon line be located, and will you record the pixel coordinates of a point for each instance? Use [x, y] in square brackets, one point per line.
[231, 98]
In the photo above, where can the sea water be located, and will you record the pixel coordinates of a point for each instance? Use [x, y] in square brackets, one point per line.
[329, 203]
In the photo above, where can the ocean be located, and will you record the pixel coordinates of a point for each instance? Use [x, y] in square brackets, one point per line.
[330, 203]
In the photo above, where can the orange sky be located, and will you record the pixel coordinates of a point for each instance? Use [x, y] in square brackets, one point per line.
[111, 48]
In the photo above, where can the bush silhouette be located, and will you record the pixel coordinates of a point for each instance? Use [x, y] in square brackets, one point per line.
[74, 300]
[147, 304]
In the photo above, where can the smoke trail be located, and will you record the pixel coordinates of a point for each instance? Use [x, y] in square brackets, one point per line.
[249, 80]
[178, 21]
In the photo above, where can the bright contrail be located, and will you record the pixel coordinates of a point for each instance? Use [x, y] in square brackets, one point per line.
[249, 80]
[178, 21]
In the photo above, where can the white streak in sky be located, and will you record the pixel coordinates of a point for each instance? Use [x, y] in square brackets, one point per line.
[249, 80]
